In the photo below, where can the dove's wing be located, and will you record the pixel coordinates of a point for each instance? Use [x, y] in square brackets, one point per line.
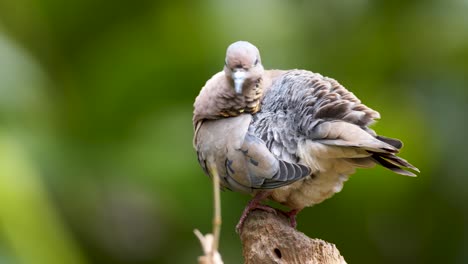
[243, 161]
[305, 116]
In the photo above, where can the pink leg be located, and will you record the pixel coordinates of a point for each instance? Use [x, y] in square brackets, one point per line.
[255, 203]
[292, 216]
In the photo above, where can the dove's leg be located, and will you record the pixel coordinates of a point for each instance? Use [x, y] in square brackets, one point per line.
[292, 216]
[255, 203]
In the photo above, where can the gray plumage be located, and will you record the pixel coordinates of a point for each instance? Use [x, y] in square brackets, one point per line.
[244, 162]
[313, 120]
[303, 138]
[222, 117]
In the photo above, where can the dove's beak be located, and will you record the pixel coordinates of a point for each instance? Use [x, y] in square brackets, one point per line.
[238, 77]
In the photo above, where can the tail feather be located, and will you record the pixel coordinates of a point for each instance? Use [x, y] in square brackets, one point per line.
[394, 164]
[399, 161]
[343, 134]
[361, 162]
[391, 141]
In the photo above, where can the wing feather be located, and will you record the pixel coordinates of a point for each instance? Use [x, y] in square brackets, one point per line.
[304, 106]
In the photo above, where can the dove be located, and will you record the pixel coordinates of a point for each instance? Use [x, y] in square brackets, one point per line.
[291, 136]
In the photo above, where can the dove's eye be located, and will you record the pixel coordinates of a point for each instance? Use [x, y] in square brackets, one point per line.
[256, 62]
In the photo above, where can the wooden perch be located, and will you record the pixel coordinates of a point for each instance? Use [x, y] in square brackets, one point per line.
[269, 238]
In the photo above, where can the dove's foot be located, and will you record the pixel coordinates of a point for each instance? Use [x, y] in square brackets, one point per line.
[292, 216]
[255, 203]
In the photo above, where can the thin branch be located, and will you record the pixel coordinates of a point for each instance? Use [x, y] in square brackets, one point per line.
[217, 209]
[210, 242]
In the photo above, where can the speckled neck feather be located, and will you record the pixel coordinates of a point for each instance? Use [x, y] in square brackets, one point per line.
[248, 102]
[219, 101]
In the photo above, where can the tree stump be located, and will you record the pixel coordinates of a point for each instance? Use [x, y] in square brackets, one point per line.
[269, 238]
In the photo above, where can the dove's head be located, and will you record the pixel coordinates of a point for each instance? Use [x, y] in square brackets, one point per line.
[243, 65]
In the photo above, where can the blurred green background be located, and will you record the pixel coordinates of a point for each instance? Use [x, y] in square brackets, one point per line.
[96, 158]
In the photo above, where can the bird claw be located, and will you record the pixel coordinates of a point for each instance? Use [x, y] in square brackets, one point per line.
[292, 217]
[250, 207]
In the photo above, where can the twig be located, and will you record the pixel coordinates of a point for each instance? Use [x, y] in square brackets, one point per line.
[210, 257]
[217, 209]
[210, 242]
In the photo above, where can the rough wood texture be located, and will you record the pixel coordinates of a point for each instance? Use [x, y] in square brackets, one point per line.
[269, 238]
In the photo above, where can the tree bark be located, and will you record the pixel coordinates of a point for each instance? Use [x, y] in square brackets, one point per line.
[269, 238]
